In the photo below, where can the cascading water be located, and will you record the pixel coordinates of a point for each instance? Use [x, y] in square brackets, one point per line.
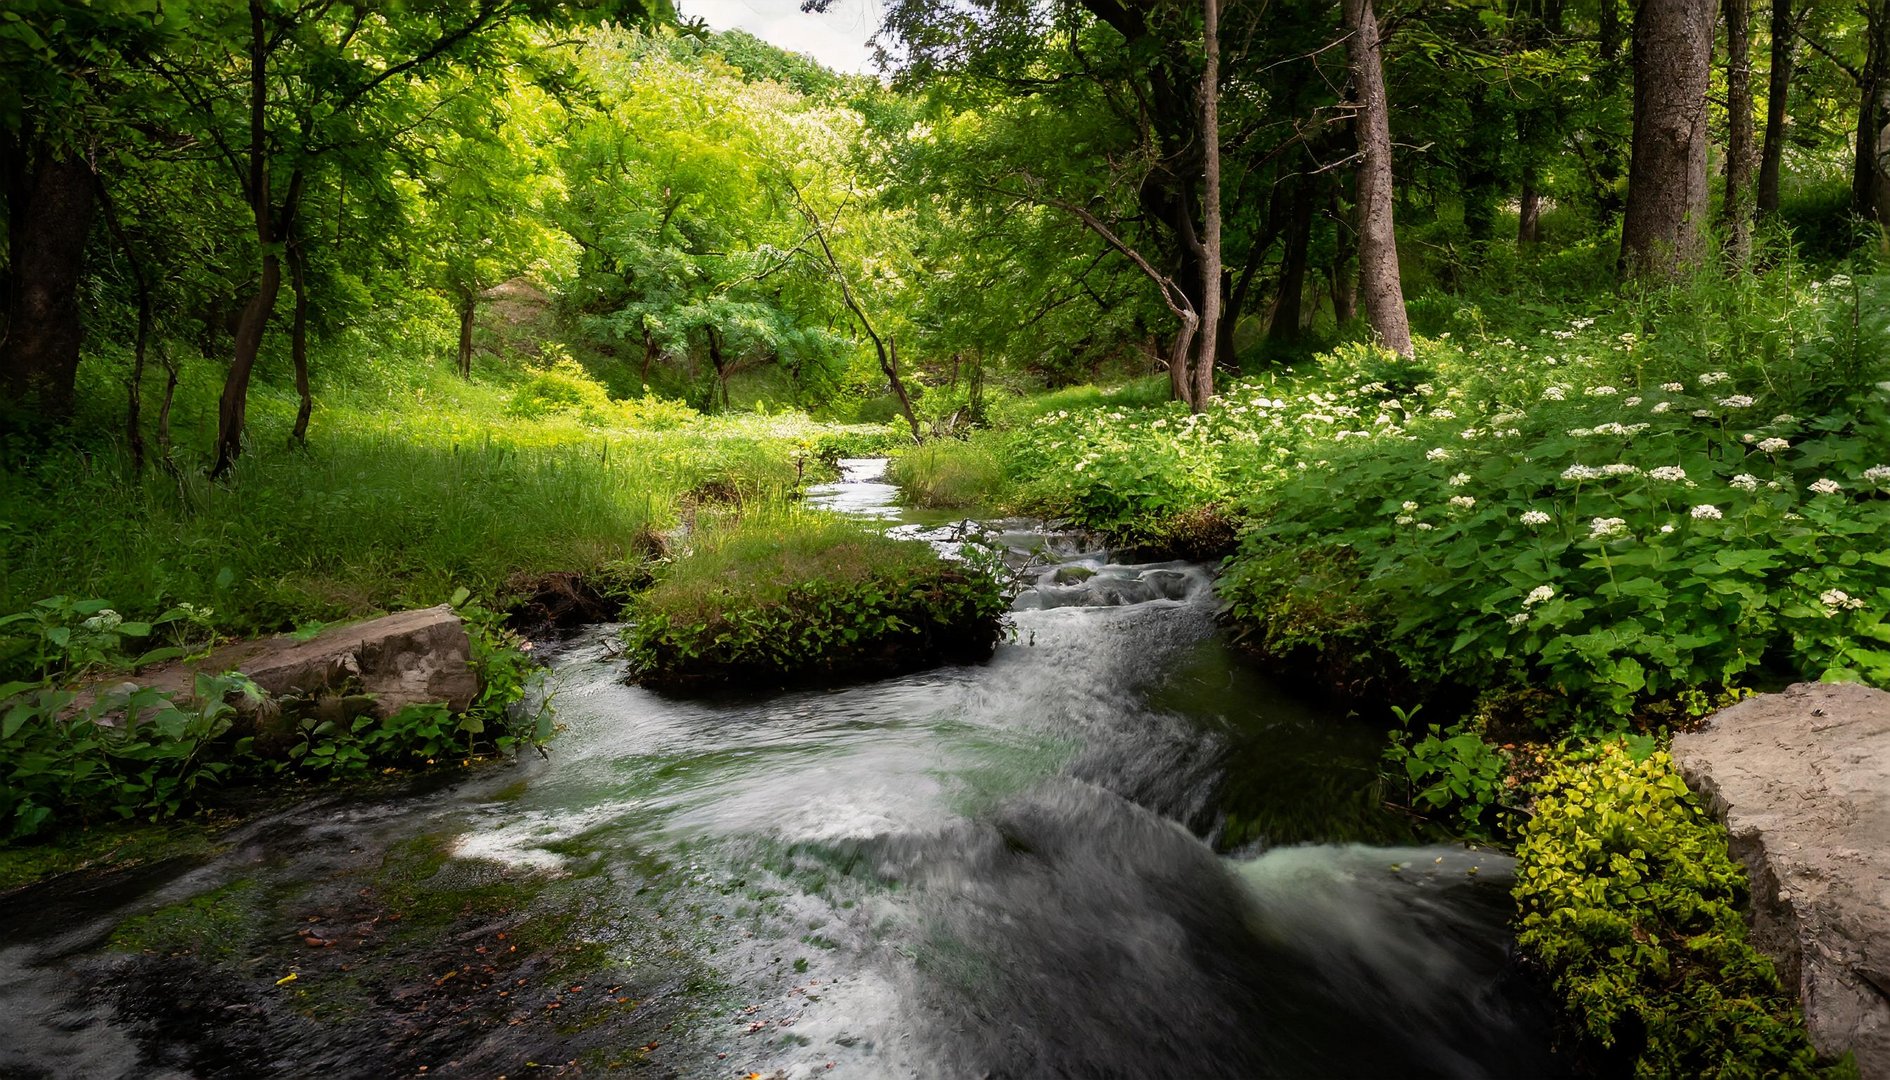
[1112, 851]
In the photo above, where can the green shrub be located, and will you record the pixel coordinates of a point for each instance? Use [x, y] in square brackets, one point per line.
[1629, 899]
[788, 597]
[60, 765]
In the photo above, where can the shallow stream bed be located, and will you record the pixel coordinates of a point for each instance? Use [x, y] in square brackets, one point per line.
[1112, 851]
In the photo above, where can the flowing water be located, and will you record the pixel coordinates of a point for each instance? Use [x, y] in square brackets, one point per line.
[1112, 851]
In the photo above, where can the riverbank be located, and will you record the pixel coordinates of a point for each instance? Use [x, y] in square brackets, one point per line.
[1115, 835]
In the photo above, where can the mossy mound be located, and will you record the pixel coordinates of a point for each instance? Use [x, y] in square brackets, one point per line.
[807, 599]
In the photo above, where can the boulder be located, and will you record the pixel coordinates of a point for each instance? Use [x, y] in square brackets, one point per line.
[407, 658]
[1802, 781]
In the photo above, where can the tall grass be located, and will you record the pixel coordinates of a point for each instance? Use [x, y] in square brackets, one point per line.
[408, 489]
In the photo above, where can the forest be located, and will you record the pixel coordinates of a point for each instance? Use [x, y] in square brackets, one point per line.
[1366, 434]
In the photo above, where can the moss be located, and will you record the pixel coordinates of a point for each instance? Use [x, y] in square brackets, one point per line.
[784, 599]
[217, 926]
[105, 847]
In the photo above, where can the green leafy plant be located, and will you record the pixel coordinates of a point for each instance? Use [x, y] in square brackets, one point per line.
[1631, 903]
[131, 752]
[1454, 770]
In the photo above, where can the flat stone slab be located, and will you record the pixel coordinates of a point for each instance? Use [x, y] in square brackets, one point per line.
[1802, 781]
[407, 658]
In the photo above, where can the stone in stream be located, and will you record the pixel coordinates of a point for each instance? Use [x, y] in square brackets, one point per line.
[1802, 781]
[407, 658]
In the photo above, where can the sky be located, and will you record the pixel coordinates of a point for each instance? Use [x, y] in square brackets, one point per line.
[836, 39]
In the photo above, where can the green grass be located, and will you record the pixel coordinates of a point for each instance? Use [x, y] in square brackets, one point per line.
[406, 492]
[952, 474]
[794, 596]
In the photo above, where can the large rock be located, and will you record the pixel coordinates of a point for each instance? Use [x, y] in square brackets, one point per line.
[407, 658]
[1802, 781]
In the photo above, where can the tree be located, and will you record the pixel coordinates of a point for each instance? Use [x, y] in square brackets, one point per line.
[1777, 99]
[61, 89]
[1664, 230]
[1380, 281]
[1737, 207]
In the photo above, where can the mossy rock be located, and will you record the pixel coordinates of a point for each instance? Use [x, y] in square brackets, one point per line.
[806, 599]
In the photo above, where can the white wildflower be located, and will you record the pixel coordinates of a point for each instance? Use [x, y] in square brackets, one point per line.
[1630, 402]
[1437, 454]
[1835, 599]
[1665, 529]
[1538, 595]
[1409, 507]
[1425, 526]
[1674, 387]
[1706, 512]
[1443, 414]
[1670, 473]
[1460, 479]
[1661, 406]
[1775, 445]
[1535, 517]
[1702, 413]
[1620, 468]
[1517, 620]
[103, 621]
[1581, 472]
[1877, 474]
[1462, 502]
[1826, 486]
[1554, 393]
[1604, 527]
[1714, 378]
[1602, 391]
[1737, 401]
[1405, 519]
[1746, 482]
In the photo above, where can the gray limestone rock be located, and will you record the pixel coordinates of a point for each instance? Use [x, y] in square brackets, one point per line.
[1802, 781]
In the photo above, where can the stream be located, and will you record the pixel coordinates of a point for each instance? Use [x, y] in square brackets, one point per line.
[1112, 851]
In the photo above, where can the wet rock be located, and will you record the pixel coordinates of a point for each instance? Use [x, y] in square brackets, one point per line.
[1073, 574]
[407, 658]
[1802, 781]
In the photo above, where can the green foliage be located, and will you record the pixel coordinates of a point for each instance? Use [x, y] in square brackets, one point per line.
[1630, 901]
[797, 596]
[130, 752]
[1455, 770]
[1614, 515]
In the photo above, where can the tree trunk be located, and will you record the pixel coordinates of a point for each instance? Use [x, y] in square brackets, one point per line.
[298, 342]
[1213, 291]
[468, 309]
[39, 357]
[164, 407]
[1379, 278]
[1289, 301]
[1777, 98]
[1664, 231]
[1529, 213]
[233, 405]
[1737, 207]
[1870, 174]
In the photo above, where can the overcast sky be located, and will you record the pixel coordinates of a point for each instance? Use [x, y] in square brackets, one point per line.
[836, 39]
